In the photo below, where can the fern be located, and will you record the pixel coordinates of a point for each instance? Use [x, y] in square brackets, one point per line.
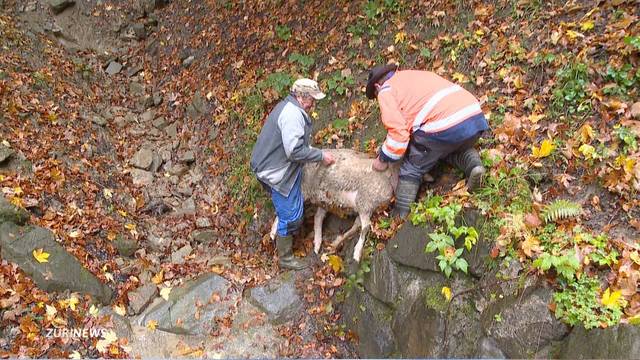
[561, 209]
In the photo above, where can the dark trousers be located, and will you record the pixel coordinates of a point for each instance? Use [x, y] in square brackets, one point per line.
[424, 153]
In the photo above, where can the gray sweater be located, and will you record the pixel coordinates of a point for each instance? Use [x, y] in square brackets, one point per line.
[283, 146]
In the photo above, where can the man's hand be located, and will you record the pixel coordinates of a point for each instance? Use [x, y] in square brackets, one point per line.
[327, 158]
[379, 165]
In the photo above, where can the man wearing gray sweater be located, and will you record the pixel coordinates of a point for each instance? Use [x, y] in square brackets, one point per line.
[280, 152]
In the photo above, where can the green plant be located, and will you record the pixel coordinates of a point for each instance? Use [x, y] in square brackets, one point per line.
[578, 304]
[375, 9]
[622, 80]
[279, 81]
[305, 61]
[339, 83]
[283, 32]
[570, 93]
[445, 232]
[561, 209]
[356, 280]
[566, 264]
[628, 137]
[633, 41]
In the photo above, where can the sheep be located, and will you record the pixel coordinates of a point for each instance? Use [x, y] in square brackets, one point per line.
[349, 186]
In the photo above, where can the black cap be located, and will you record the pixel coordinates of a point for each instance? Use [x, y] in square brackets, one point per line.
[376, 74]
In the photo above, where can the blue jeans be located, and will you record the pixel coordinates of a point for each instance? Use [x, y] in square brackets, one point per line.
[289, 208]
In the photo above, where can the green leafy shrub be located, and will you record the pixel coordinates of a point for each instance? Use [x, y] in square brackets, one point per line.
[570, 93]
[579, 304]
[279, 81]
[445, 232]
[339, 83]
[283, 32]
[304, 61]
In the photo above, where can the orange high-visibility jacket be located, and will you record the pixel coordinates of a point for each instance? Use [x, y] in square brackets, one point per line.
[414, 100]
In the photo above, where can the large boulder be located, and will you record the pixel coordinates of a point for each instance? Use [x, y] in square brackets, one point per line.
[521, 324]
[371, 319]
[62, 271]
[279, 299]
[12, 213]
[58, 6]
[618, 342]
[193, 307]
[5, 153]
[426, 325]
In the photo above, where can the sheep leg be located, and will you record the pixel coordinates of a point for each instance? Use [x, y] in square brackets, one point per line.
[365, 220]
[274, 229]
[341, 238]
[318, 219]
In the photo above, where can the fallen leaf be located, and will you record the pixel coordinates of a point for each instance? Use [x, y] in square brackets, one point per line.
[545, 149]
[611, 299]
[152, 325]
[51, 311]
[531, 246]
[158, 278]
[93, 311]
[40, 255]
[164, 293]
[120, 310]
[532, 220]
[446, 292]
[75, 355]
[335, 262]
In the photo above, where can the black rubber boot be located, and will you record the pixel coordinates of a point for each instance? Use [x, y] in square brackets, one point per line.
[469, 162]
[284, 246]
[406, 193]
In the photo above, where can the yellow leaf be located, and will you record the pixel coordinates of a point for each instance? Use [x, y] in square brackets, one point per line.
[93, 311]
[587, 151]
[335, 262]
[574, 34]
[611, 299]
[152, 324]
[446, 292]
[157, 278]
[546, 148]
[634, 320]
[111, 236]
[517, 82]
[16, 201]
[400, 37]
[459, 77]
[18, 190]
[74, 234]
[51, 311]
[586, 133]
[130, 226]
[120, 310]
[164, 293]
[75, 355]
[314, 115]
[41, 256]
[72, 302]
[534, 118]
[555, 37]
[123, 213]
[108, 193]
[635, 257]
[586, 25]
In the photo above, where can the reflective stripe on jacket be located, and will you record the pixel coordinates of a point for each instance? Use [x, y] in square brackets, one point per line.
[414, 100]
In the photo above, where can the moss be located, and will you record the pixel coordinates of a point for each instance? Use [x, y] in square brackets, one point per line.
[433, 298]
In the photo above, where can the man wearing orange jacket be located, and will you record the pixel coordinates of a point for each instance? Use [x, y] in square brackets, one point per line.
[427, 118]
